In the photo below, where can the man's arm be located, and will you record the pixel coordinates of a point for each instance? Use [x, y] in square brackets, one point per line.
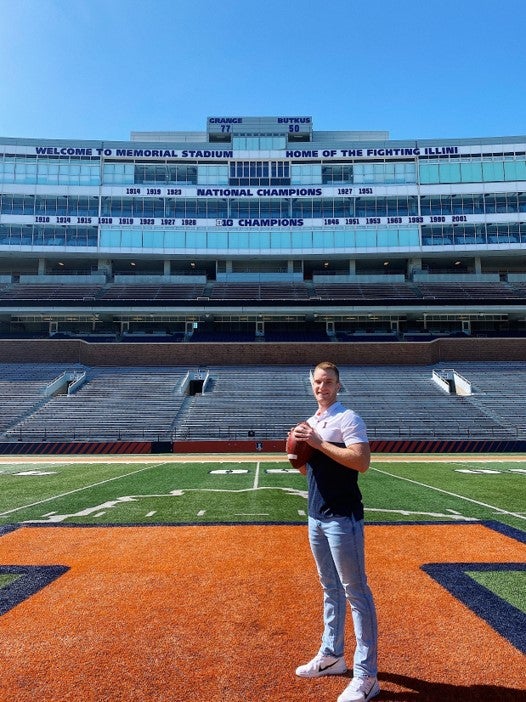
[356, 456]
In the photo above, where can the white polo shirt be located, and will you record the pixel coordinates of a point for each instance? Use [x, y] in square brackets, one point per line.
[339, 425]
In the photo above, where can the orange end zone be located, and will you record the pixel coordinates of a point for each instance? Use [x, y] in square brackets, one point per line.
[225, 614]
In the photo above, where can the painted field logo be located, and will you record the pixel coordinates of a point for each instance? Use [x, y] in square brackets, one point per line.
[161, 613]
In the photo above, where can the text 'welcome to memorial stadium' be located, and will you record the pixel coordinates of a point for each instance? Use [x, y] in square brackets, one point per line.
[263, 229]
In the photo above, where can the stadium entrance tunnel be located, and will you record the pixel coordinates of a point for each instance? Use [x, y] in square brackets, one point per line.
[161, 447]
[195, 387]
[195, 382]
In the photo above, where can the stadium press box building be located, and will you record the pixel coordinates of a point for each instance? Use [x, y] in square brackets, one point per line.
[261, 223]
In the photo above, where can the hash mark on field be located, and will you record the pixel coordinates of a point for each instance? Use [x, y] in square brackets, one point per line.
[150, 514]
[438, 515]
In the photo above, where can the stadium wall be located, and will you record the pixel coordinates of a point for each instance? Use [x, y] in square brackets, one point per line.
[78, 351]
[400, 446]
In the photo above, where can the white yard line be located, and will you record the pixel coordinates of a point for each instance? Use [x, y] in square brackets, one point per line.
[256, 477]
[86, 487]
[451, 494]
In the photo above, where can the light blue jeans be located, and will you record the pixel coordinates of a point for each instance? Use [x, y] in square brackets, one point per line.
[337, 544]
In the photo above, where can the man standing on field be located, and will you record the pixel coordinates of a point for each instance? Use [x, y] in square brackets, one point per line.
[336, 535]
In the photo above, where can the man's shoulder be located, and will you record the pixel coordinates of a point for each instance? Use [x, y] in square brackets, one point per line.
[341, 409]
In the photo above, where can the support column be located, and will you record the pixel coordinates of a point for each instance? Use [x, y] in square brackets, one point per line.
[104, 266]
[413, 265]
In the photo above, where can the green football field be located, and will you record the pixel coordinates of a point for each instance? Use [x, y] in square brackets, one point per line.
[265, 489]
[247, 489]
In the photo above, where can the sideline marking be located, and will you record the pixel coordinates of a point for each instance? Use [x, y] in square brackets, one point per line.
[256, 477]
[86, 487]
[451, 494]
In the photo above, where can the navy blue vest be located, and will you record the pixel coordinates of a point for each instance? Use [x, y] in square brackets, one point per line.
[333, 489]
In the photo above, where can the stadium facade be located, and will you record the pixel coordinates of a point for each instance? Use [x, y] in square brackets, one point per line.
[263, 228]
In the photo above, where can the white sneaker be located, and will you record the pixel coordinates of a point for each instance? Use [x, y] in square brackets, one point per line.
[360, 690]
[322, 665]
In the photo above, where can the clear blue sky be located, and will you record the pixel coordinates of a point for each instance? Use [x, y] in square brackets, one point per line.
[99, 69]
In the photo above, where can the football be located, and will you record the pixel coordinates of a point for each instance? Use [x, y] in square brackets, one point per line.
[298, 451]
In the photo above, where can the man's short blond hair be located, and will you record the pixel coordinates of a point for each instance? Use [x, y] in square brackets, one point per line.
[328, 365]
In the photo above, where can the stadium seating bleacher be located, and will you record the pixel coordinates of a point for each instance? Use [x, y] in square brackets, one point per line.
[256, 401]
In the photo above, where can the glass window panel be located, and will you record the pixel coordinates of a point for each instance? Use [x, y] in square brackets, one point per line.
[153, 239]
[515, 170]
[26, 235]
[212, 175]
[239, 240]
[323, 239]
[7, 171]
[274, 142]
[385, 173]
[39, 236]
[308, 174]
[492, 171]
[387, 237]
[409, 237]
[81, 236]
[196, 240]
[471, 172]
[174, 239]
[118, 173]
[280, 239]
[450, 172]
[365, 238]
[217, 209]
[110, 238]
[302, 208]
[255, 143]
[261, 240]
[341, 208]
[301, 239]
[429, 173]
[131, 238]
[405, 173]
[217, 240]
[345, 239]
